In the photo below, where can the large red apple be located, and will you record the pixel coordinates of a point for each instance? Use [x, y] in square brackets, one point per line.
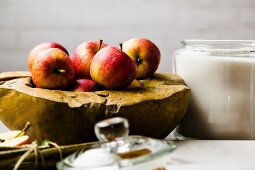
[145, 54]
[84, 85]
[112, 68]
[83, 56]
[39, 48]
[52, 69]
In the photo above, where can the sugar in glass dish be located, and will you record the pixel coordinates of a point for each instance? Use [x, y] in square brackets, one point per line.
[118, 151]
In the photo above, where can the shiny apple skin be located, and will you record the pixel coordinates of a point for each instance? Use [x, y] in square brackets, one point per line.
[112, 68]
[46, 69]
[39, 48]
[83, 56]
[145, 54]
[84, 85]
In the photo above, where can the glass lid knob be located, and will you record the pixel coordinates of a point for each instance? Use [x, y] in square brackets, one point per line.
[112, 129]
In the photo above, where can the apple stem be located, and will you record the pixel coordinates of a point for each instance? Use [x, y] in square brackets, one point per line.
[100, 44]
[28, 124]
[121, 45]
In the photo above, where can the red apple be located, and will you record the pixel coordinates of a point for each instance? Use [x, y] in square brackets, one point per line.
[52, 69]
[145, 54]
[83, 56]
[18, 141]
[40, 47]
[84, 85]
[112, 68]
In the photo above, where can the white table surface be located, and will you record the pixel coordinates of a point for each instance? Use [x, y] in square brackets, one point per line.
[209, 154]
[213, 154]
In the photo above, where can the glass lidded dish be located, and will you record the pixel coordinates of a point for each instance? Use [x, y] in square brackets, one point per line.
[118, 151]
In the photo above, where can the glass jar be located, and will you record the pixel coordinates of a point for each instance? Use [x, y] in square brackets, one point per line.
[221, 75]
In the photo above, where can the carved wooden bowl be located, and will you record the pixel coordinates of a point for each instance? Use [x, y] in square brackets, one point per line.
[67, 117]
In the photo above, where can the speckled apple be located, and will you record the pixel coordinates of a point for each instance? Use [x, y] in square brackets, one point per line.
[112, 68]
[40, 47]
[52, 69]
[83, 56]
[145, 54]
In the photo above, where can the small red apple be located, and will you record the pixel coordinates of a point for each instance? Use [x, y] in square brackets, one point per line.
[52, 69]
[145, 54]
[40, 47]
[84, 85]
[112, 68]
[83, 56]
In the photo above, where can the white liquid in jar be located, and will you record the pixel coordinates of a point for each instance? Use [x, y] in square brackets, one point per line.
[223, 96]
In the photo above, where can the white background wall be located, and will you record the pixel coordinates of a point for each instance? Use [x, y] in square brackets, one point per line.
[26, 23]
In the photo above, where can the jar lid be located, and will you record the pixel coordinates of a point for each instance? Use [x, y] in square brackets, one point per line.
[218, 44]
